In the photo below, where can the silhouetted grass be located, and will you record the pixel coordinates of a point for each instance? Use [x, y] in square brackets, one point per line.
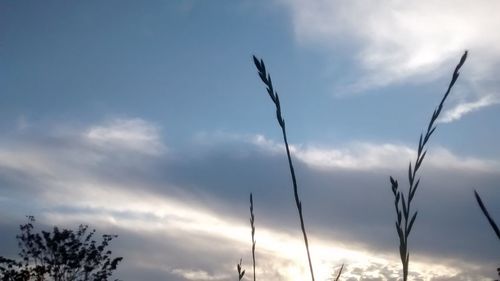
[241, 271]
[487, 214]
[406, 219]
[252, 225]
[337, 278]
[405, 215]
[266, 78]
[490, 220]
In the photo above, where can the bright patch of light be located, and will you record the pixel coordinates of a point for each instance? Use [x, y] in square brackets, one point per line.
[134, 134]
[163, 215]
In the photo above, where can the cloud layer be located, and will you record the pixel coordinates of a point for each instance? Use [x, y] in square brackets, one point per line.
[183, 215]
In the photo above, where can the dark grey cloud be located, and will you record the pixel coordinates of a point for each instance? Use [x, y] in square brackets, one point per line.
[348, 206]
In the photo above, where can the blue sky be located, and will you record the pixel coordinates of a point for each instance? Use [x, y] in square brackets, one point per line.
[148, 119]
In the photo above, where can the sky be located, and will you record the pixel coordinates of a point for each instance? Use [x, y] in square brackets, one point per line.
[147, 119]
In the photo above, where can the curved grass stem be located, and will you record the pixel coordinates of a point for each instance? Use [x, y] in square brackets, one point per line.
[266, 78]
[405, 217]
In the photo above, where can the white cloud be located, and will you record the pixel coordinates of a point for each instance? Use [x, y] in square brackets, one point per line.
[367, 156]
[27, 160]
[198, 275]
[407, 40]
[463, 108]
[56, 154]
[131, 134]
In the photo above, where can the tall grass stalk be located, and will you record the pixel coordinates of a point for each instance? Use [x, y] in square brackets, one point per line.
[266, 78]
[490, 220]
[405, 217]
[241, 271]
[487, 214]
[339, 273]
[252, 224]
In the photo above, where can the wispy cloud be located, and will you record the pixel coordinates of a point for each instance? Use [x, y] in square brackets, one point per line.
[366, 156]
[134, 134]
[198, 275]
[463, 108]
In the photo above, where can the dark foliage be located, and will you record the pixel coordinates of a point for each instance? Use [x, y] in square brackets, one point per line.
[60, 255]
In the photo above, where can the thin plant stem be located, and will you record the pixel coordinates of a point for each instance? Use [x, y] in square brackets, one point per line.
[339, 273]
[406, 218]
[266, 78]
[487, 214]
[490, 220]
[252, 224]
[241, 271]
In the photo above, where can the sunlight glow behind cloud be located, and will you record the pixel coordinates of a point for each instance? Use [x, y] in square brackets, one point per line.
[68, 191]
[280, 251]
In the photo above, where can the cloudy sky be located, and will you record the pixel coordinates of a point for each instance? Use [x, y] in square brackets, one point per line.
[147, 119]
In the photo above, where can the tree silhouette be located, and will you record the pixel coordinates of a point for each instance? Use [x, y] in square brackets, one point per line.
[60, 255]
